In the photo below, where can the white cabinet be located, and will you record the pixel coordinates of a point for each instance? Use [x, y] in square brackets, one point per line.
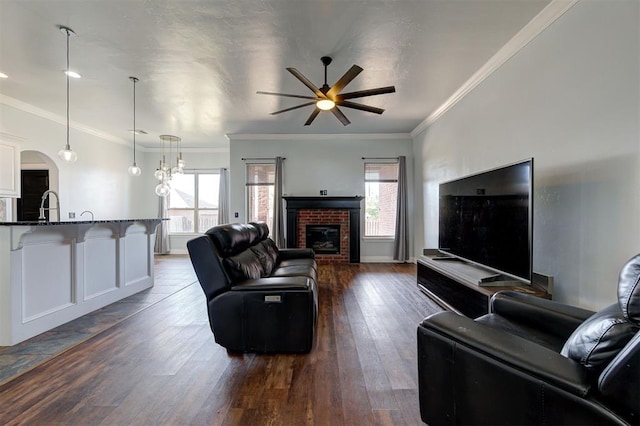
[9, 169]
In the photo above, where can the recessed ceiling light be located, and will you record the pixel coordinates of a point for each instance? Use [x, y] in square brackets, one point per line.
[138, 131]
[73, 74]
[3, 75]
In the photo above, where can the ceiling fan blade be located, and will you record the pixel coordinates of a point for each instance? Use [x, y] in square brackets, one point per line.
[340, 116]
[297, 74]
[344, 80]
[312, 117]
[286, 95]
[360, 107]
[368, 92]
[292, 108]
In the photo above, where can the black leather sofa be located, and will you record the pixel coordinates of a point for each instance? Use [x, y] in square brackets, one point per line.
[534, 361]
[259, 298]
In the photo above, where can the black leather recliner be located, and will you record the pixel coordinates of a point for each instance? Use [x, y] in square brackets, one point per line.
[534, 361]
[259, 298]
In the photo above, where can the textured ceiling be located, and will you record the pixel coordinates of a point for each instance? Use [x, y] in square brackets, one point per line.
[201, 62]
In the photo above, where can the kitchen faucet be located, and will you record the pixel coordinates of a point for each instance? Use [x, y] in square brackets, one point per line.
[88, 211]
[42, 208]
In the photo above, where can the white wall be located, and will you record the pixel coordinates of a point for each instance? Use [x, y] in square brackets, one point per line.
[570, 99]
[315, 162]
[98, 181]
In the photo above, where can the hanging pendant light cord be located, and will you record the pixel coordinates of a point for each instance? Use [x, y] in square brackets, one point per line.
[67, 73]
[135, 80]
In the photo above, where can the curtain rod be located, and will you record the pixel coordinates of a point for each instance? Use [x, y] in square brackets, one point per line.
[262, 158]
[380, 158]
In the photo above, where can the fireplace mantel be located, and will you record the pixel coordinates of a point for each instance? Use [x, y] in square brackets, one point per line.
[350, 203]
[323, 202]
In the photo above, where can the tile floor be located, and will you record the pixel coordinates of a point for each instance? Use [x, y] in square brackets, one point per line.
[172, 273]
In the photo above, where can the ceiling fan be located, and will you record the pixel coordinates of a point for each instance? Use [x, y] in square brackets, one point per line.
[329, 98]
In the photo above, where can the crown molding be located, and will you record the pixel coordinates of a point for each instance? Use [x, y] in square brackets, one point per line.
[47, 115]
[11, 138]
[535, 27]
[187, 150]
[315, 137]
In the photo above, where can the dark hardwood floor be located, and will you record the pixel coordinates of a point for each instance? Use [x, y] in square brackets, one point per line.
[162, 366]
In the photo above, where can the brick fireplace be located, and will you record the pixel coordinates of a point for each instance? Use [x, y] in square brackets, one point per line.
[330, 212]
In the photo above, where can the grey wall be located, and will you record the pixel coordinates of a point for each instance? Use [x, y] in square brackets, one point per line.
[570, 99]
[315, 162]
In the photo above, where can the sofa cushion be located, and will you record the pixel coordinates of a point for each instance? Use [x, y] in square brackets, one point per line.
[295, 271]
[272, 249]
[263, 229]
[233, 238]
[599, 338]
[308, 262]
[266, 259]
[244, 266]
[629, 290]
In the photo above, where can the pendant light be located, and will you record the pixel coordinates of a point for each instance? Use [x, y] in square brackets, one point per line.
[163, 173]
[67, 154]
[134, 170]
[178, 169]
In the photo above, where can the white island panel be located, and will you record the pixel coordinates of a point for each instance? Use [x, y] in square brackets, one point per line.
[47, 277]
[100, 259]
[137, 246]
[54, 272]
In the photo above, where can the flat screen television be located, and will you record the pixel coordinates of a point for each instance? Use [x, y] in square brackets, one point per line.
[487, 219]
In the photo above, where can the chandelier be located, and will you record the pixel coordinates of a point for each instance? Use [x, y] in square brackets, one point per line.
[166, 170]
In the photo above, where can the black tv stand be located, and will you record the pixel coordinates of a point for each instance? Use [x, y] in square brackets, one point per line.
[458, 286]
[499, 280]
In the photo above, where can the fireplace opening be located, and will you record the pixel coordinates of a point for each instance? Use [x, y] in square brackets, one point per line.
[323, 239]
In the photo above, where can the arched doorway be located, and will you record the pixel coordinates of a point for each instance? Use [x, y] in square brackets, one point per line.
[38, 173]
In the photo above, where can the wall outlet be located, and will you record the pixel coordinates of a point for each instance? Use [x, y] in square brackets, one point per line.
[323, 192]
[236, 214]
[72, 215]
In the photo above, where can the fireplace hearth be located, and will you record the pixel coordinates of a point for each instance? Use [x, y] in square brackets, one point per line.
[323, 239]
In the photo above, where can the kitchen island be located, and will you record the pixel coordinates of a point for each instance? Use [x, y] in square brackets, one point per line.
[54, 272]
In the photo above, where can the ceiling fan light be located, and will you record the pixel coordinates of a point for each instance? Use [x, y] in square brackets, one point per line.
[325, 104]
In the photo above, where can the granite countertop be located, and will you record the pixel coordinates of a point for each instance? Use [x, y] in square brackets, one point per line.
[72, 222]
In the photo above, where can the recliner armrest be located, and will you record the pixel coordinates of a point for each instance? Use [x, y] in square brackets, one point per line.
[274, 283]
[296, 253]
[527, 357]
[552, 317]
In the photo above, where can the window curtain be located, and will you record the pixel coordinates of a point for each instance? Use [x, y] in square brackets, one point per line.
[162, 245]
[277, 233]
[401, 241]
[223, 197]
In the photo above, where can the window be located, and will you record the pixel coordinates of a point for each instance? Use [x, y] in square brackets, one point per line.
[260, 186]
[193, 202]
[381, 193]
